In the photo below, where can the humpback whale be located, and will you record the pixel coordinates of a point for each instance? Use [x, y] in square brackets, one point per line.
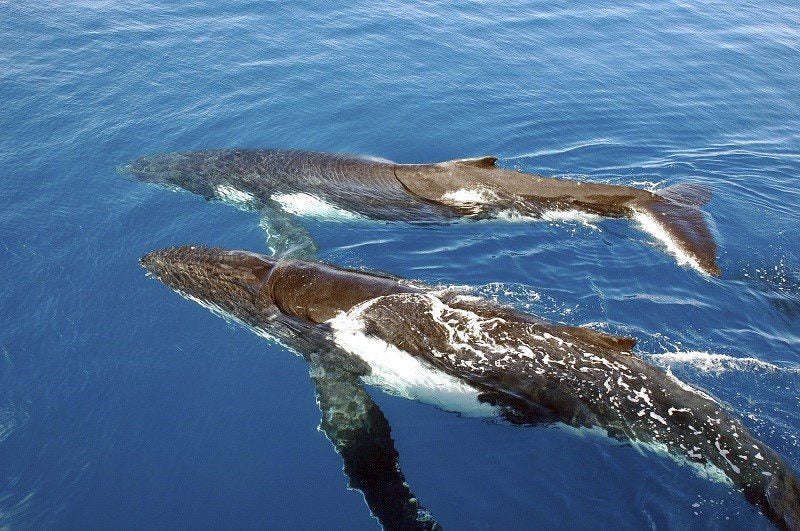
[283, 180]
[467, 355]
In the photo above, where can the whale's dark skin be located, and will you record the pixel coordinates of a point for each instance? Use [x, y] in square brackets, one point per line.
[531, 370]
[419, 193]
[350, 418]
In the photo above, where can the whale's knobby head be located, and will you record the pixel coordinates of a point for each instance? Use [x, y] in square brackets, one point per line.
[203, 172]
[232, 281]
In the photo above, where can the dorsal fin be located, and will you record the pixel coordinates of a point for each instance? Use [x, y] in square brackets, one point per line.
[614, 342]
[478, 162]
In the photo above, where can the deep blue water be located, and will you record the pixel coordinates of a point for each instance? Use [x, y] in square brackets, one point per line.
[125, 406]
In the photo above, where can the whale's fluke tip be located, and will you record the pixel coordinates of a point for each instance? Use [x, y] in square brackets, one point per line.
[676, 209]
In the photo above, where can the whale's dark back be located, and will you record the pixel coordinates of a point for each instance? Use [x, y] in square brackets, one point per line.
[354, 183]
[532, 369]
[357, 184]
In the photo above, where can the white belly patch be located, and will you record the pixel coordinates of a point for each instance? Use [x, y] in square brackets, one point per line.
[307, 205]
[401, 374]
[234, 196]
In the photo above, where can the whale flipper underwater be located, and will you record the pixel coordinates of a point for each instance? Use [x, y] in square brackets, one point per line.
[474, 357]
[355, 425]
[351, 420]
[428, 193]
[285, 236]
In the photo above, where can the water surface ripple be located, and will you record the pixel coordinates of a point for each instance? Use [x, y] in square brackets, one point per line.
[123, 406]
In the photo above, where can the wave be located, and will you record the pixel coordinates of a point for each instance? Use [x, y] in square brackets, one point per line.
[718, 363]
[594, 143]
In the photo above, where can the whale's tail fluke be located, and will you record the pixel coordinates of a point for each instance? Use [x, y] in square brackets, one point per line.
[674, 216]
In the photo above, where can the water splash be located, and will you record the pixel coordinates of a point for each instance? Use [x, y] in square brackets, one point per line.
[717, 363]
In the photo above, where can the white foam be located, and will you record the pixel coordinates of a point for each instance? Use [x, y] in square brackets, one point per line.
[650, 225]
[232, 195]
[705, 470]
[308, 205]
[584, 218]
[552, 216]
[401, 374]
[717, 363]
[515, 217]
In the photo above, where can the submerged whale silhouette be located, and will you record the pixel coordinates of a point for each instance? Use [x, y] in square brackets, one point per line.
[468, 355]
[466, 188]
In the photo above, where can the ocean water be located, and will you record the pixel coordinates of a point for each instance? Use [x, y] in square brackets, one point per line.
[125, 406]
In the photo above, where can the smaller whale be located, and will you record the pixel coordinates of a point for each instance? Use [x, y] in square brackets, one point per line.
[350, 186]
[466, 355]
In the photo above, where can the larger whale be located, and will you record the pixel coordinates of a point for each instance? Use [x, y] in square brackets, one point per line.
[276, 180]
[468, 355]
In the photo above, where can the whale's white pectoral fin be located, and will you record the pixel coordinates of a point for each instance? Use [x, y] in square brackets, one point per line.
[284, 235]
[361, 434]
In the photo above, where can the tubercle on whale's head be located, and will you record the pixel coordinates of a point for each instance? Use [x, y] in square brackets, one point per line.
[232, 281]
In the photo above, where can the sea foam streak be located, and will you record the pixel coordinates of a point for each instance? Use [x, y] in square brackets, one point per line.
[552, 216]
[710, 362]
[578, 216]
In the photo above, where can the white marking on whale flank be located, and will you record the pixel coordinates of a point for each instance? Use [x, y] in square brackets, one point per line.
[232, 195]
[308, 205]
[401, 374]
[552, 216]
[584, 218]
[485, 196]
[466, 196]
